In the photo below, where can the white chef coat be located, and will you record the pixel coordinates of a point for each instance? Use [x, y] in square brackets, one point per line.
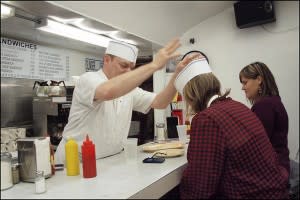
[107, 123]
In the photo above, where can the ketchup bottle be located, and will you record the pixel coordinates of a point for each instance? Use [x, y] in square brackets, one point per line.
[88, 158]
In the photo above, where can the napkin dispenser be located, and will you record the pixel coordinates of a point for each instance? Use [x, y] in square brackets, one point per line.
[33, 155]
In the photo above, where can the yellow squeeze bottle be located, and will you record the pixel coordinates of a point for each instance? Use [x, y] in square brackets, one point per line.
[72, 158]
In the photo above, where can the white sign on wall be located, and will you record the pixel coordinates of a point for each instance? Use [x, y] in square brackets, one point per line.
[21, 59]
[92, 64]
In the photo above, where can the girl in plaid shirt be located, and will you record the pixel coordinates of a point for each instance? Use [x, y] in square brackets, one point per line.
[229, 154]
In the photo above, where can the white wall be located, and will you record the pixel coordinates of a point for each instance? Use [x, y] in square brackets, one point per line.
[276, 44]
[77, 61]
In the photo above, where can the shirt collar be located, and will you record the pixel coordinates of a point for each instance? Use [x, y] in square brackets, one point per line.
[102, 74]
[212, 99]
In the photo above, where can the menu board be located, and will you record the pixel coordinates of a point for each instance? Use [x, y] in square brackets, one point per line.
[21, 59]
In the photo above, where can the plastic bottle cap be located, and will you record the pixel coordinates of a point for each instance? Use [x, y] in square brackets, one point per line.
[87, 141]
[179, 98]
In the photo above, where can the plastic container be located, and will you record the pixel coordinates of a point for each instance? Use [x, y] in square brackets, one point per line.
[72, 158]
[88, 158]
[6, 171]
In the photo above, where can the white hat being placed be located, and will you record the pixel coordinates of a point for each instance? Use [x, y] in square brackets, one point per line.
[122, 50]
[194, 68]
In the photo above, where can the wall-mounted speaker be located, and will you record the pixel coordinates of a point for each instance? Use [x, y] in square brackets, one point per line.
[252, 13]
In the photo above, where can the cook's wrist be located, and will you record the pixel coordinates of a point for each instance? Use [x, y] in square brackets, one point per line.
[154, 66]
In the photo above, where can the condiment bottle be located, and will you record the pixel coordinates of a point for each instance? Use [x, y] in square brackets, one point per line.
[40, 184]
[15, 173]
[88, 158]
[6, 171]
[72, 158]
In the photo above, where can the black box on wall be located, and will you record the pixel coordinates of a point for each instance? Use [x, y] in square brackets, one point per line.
[252, 13]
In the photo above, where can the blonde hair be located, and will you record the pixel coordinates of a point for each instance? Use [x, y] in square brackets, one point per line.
[198, 91]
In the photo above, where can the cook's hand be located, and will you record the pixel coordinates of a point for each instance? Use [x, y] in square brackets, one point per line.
[182, 64]
[166, 53]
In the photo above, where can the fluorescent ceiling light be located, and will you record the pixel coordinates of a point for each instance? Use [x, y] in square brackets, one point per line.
[7, 11]
[114, 35]
[78, 22]
[72, 32]
[65, 21]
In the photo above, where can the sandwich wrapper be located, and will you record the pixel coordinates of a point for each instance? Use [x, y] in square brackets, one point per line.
[152, 147]
[194, 68]
[169, 153]
[167, 149]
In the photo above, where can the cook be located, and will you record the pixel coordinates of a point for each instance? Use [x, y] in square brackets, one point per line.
[103, 101]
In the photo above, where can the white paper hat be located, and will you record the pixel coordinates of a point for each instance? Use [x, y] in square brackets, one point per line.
[122, 50]
[194, 68]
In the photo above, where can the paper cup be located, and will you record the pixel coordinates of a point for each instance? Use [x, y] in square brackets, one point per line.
[181, 129]
[130, 148]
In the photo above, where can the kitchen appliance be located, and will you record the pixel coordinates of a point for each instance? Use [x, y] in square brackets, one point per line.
[40, 88]
[55, 90]
[50, 117]
[33, 155]
[69, 92]
[6, 172]
[52, 89]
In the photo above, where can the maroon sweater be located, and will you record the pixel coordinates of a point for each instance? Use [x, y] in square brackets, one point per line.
[274, 118]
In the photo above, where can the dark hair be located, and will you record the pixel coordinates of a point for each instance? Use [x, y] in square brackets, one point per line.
[195, 51]
[268, 85]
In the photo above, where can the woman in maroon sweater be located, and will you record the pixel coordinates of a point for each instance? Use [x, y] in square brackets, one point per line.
[262, 92]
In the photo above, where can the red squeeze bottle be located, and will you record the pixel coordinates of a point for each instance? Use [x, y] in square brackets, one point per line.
[88, 158]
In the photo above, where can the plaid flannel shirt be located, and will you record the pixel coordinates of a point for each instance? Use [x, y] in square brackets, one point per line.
[230, 156]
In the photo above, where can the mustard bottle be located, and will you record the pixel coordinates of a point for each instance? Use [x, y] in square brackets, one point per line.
[72, 158]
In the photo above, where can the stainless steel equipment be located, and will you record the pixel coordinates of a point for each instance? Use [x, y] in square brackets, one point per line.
[52, 89]
[34, 155]
[50, 115]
